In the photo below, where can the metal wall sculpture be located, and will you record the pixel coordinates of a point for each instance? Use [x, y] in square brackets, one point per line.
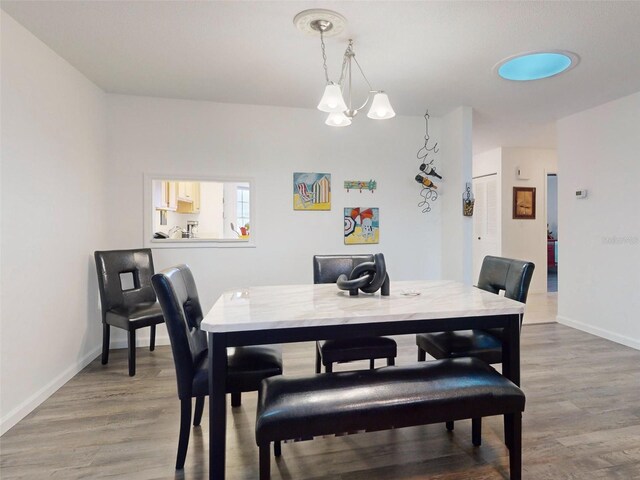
[428, 192]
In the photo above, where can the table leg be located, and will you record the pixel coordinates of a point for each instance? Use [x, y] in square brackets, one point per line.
[217, 404]
[511, 350]
[511, 367]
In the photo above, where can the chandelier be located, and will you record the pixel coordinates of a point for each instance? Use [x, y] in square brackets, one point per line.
[328, 23]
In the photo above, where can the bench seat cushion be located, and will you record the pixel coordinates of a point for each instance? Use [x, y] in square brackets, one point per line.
[389, 397]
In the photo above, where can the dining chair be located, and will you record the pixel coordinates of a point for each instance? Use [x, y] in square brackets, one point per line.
[127, 297]
[327, 269]
[246, 366]
[496, 274]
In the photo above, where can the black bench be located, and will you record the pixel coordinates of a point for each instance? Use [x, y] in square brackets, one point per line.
[295, 408]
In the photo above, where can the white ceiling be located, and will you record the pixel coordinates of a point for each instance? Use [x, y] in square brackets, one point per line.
[424, 54]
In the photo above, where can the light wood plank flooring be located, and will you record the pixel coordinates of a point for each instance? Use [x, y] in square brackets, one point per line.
[582, 421]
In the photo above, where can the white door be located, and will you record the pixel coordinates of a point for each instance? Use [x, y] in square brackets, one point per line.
[486, 217]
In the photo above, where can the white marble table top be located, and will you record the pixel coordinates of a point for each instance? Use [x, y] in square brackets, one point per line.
[291, 306]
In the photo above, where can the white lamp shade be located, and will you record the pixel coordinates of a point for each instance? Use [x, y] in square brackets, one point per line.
[332, 100]
[338, 119]
[381, 108]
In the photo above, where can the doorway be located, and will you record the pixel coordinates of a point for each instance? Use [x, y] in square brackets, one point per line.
[486, 220]
[552, 232]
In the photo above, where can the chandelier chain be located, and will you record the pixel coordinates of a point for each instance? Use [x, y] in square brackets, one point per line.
[324, 56]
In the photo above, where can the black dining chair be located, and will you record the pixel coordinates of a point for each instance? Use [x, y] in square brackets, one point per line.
[327, 269]
[496, 274]
[247, 366]
[131, 304]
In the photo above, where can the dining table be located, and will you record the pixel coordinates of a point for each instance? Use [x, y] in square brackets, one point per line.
[300, 313]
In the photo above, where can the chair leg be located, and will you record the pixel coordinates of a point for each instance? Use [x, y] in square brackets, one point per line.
[318, 360]
[508, 430]
[372, 363]
[476, 431]
[515, 452]
[449, 425]
[152, 342]
[328, 368]
[132, 353]
[185, 430]
[391, 361]
[277, 449]
[265, 462]
[236, 399]
[422, 355]
[106, 334]
[197, 416]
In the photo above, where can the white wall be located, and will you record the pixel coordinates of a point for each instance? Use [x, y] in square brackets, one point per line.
[527, 239]
[53, 213]
[148, 135]
[456, 167]
[599, 275]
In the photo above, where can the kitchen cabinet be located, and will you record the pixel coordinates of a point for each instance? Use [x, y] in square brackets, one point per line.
[188, 197]
[165, 195]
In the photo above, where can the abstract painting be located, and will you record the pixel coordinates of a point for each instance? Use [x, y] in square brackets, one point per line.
[361, 226]
[311, 191]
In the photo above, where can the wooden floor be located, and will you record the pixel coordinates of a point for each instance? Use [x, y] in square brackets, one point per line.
[582, 421]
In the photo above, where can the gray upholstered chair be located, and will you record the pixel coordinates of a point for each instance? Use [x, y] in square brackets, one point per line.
[497, 274]
[128, 307]
[246, 366]
[327, 269]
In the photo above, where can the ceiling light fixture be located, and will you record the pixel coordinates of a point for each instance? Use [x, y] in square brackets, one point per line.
[536, 65]
[327, 23]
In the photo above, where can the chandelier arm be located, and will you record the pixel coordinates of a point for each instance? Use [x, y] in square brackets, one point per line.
[363, 75]
[347, 53]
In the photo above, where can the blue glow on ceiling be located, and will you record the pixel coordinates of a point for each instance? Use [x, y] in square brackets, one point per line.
[534, 66]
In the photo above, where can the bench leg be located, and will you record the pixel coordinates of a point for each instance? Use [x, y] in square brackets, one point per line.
[476, 431]
[391, 361]
[515, 452]
[236, 399]
[197, 416]
[372, 363]
[265, 462]
[328, 368]
[449, 425]
[422, 355]
[277, 449]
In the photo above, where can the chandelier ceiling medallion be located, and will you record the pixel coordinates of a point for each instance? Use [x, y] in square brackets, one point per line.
[327, 23]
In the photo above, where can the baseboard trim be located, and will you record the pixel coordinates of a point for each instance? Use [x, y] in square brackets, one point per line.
[600, 332]
[31, 403]
[140, 342]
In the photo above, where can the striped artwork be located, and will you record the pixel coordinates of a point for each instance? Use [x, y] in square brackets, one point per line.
[311, 191]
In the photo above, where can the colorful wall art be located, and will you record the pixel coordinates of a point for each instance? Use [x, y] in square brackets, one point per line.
[311, 191]
[361, 226]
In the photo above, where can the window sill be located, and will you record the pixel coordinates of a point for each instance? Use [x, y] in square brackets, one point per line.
[199, 243]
